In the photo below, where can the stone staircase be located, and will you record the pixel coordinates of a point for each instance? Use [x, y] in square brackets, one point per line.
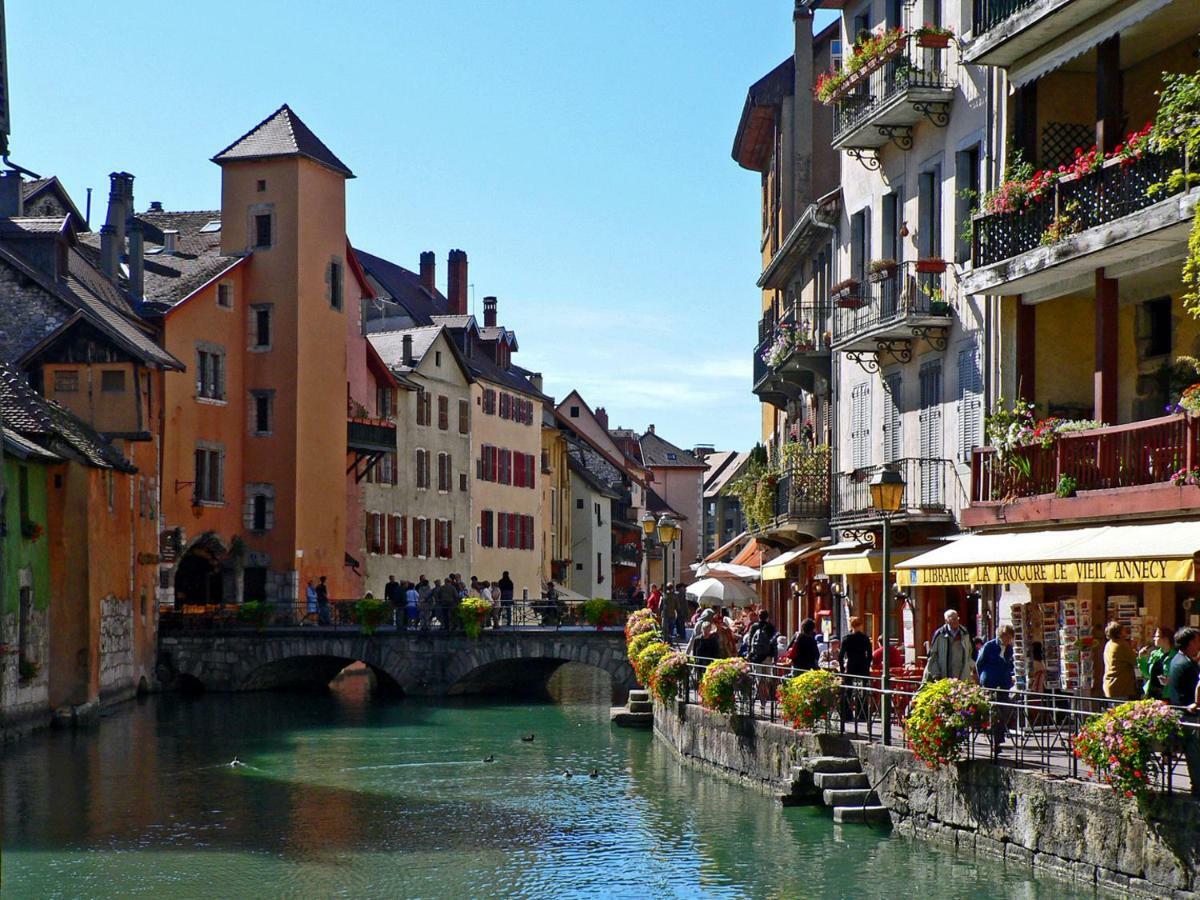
[638, 711]
[844, 788]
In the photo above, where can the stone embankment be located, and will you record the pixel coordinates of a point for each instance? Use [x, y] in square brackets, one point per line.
[1075, 829]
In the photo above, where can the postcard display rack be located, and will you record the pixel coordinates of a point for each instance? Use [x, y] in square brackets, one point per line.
[1064, 629]
[1125, 609]
[1075, 645]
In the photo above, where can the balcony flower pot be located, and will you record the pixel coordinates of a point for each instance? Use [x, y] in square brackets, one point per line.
[933, 41]
[939, 308]
[850, 301]
[845, 288]
[931, 266]
[882, 270]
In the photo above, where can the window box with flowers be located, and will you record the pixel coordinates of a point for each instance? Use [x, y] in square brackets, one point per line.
[933, 36]
[931, 265]
[847, 293]
[867, 55]
[882, 270]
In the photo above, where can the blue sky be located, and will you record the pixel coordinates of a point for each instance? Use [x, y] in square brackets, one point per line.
[579, 153]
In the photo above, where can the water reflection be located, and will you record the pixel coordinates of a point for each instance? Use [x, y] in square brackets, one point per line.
[344, 794]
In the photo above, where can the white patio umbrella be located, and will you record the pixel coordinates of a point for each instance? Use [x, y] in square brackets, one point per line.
[722, 592]
[727, 570]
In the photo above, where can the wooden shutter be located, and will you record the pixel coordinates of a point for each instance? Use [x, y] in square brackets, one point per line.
[893, 427]
[970, 401]
[443, 412]
[931, 434]
[464, 417]
[860, 425]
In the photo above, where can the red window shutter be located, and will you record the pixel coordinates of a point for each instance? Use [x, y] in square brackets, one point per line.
[449, 540]
[501, 530]
[513, 525]
[391, 534]
[395, 457]
[529, 471]
[402, 522]
[518, 470]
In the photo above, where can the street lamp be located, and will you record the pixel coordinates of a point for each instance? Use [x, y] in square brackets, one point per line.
[887, 494]
[666, 530]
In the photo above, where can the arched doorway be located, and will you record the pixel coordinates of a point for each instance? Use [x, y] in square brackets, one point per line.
[198, 577]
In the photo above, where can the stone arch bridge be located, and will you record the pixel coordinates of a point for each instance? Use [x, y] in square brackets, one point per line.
[237, 659]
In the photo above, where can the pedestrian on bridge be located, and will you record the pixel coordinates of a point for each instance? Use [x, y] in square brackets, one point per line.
[425, 603]
[393, 595]
[323, 616]
[506, 596]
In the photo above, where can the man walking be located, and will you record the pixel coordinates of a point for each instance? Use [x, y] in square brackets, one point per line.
[425, 603]
[681, 611]
[393, 595]
[506, 596]
[950, 653]
[854, 657]
[323, 616]
[995, 667]
[668, 612]
[447, 602]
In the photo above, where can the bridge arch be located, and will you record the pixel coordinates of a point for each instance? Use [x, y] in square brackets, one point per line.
[505, 660]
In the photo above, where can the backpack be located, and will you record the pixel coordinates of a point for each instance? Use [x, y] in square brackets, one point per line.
[762, 641]
[1157, 668]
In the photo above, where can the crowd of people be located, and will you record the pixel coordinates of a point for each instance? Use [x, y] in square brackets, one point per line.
[424, 606]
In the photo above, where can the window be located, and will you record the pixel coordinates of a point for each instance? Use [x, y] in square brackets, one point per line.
[424, 407]
[970, 401]
[599, 520]
[579, 503]
[860, 425]
[486, 535]
[208, 476]
[504, 475]
[437, 358]
[1154, 326]
[462, 482]
[261, 324]
[860, 244]
[385, 402]
[966, 199]
[259, 513]
[506, 406]
[444, 476]
[489, 402]
[262, 231]
[672, 457]
[929, 212]
[386, 469]
[574, 412]
[261, 410]
[397, 535]
[930, 421]
[464, 417]
[893, 429]
[225, 295]
[421, 538]
[422, 469]
[335, 284]
[262, 185]
[66, 382]
[112, 381]
[374, 532]
[210, 374]
[443, 412]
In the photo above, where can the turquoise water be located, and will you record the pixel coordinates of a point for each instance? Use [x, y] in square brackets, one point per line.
[341, 795]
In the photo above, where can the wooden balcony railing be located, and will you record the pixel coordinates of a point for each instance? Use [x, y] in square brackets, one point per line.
[1120, 456]
[1115, 190]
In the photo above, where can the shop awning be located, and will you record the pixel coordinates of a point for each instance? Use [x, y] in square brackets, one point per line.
[727, 547]
[750, 555]
[776, 568]
[866, 562]
[1111, 553]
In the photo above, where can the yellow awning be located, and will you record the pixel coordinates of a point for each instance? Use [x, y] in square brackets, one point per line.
[865, 562]
[776, 569]
[1163, 551]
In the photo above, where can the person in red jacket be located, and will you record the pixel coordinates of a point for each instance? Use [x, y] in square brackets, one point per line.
[654, 601]
[895, 655]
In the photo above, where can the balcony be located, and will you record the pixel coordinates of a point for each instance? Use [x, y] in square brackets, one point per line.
[904, 85]
[365, 435]
[930, 488]
[793, 353]
[1137, 469]
[1011, 31]
[1107, 218]
[896, 306]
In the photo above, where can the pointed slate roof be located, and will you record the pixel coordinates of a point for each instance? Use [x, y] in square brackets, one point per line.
[282, 134]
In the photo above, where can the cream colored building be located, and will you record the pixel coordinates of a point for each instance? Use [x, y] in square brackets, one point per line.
[417, 502]
[555, 489]
[591, 530]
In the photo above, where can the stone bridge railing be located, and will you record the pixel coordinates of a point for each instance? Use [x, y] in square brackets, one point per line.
[243, 659]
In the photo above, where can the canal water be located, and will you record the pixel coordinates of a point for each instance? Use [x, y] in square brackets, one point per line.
[346, 795]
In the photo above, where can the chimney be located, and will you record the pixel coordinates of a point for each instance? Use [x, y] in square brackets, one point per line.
[489, 312]
[137, 261]
[650, 428]
[156, 206]
[120, 207]
[12, 203]
[601, 415]
[170, 241]
[429, 271]
[406, 357]
[109, 255]
[456, 283]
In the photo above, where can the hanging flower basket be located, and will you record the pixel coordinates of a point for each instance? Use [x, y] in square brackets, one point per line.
[942, 718]
[1123, 746]
[669, 676]
[808, 698]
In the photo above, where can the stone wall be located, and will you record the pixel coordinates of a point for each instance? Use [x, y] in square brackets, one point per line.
[24, 704]
[1078, 830]
[117, 674]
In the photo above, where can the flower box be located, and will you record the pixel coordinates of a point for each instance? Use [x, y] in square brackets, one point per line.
[933, 41]
[850, 302]
[885, 53]
[931, 266]
[882, 270]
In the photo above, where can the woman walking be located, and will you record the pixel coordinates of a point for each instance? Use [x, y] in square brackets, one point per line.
[1120, 664]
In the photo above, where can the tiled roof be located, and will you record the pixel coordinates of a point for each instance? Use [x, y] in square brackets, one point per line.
[404, 287]
[22, 225]
[21, 447]
[31, 415]
[282, 134]
[664, 454]
[33, 189]
[580, 469]
[455, 321]
[593, 468]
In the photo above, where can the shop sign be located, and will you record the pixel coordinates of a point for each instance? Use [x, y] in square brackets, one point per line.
[1056, 572]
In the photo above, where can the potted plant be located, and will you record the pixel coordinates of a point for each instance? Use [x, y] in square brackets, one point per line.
[640, 621]
[601, 613]
[882, 269]
[669, 676]
[933, 36]
[370, 614]
[1124, 745]
[809, 697]
[256, 613]
[931, 265]
[942, 717]
[647, 660]
[724, 682]
[472, 613]
[847, 293]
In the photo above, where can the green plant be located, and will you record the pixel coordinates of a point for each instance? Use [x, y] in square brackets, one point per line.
[1066, 485]
[1063, 225]
[1123, 744]
[30, 530]
[669, 675]
[724, 681]
[647, 659]
[1177, 128]
[942, 717]
[370, 614]
[808, 697]
[640, 621]
[472, 613]
[933, 30]
[601, 612]
[27, 669]
[255, 612]
[640, 642]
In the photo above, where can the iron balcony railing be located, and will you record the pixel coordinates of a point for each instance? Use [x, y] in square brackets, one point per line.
[802, 491]
[1119, 188]
[990, 13]
[929, 488]
[911, 68]
[1156, 451]
[892, 298]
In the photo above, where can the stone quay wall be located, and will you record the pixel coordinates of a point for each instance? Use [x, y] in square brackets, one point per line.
[1078, 830]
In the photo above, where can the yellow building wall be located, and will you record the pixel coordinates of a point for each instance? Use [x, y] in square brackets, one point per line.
[1064, 357]
[555, 514]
